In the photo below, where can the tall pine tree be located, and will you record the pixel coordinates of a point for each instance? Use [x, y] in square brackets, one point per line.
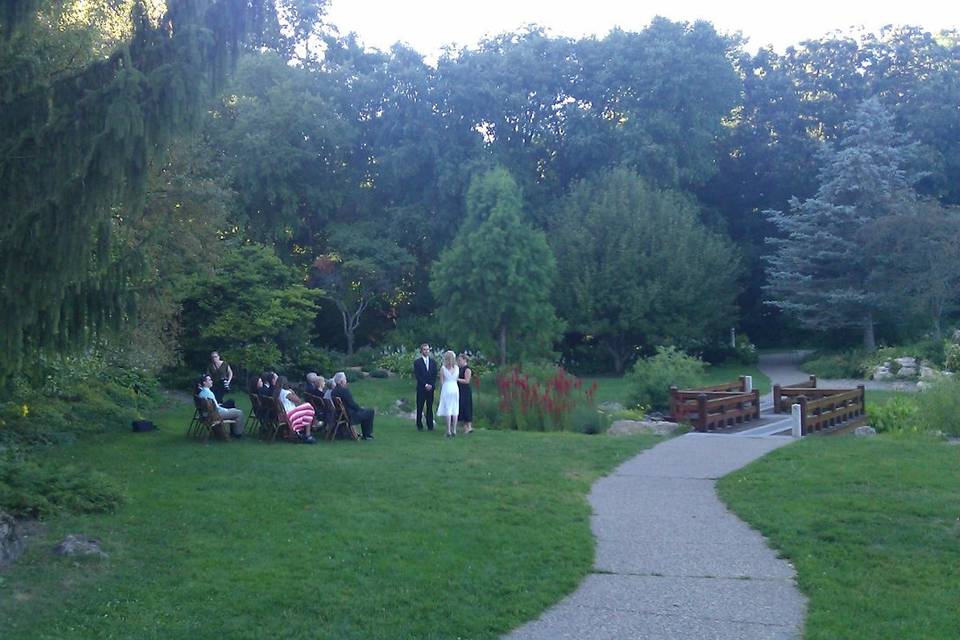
[821, 271]
[493, 284]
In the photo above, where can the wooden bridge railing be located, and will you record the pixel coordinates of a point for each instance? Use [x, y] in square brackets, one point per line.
[715, 406]
[783, 394]
[843, 409]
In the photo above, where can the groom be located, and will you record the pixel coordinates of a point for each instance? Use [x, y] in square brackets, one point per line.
[425, 371]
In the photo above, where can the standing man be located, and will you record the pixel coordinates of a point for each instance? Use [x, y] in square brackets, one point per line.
[425, 371]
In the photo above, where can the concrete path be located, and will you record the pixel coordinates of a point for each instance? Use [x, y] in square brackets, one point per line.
[672, 561]
[784, 368]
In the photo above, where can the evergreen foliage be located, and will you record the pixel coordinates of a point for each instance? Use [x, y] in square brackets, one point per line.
[493, 284]
[821, 271]
[638, 268]
[75, 148]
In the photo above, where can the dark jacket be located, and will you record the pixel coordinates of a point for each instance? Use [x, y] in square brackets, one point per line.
[348, 402]
[425, 374]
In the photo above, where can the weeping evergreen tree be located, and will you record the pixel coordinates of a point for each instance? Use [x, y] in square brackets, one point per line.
[822, 271]
[76, 141]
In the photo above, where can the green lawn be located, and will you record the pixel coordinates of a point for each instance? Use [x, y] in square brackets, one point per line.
[871, 526]
[617, 389]
[408, 536]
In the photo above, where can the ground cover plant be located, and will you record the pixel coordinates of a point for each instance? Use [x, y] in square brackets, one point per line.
[871, 527]
[408, 536]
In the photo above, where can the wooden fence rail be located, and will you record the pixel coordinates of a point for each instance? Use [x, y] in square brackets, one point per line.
[841, 411]
[781, 391]
[716, 406]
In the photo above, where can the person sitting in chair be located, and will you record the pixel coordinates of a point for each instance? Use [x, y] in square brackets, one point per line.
[203, 391]
[299, 413]
[355, 411]
[314, 384]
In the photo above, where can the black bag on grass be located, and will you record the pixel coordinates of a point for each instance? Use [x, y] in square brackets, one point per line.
[139, 426]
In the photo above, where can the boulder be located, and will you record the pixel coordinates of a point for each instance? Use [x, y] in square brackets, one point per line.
[11, 543]
[881, 372]
[75, 545]
[927, 372]
[654, 427]
[906, 361]
[907, 372]
[865, 431]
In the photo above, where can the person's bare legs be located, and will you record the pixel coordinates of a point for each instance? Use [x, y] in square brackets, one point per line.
[453, 419]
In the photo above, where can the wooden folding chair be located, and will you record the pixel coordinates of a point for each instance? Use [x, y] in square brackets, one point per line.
[195, 422]
[343, 425]
[319, 410]
[211, 421]
[279, 423]
[253, 423]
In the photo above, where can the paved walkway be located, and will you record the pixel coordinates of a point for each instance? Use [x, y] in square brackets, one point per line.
[672, 561]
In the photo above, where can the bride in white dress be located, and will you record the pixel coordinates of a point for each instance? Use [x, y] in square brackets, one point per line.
[449, 392]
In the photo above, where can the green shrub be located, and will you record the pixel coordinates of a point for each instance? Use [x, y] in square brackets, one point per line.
[951, 356]
[651, 378]
[845, 364]
[486, 410]
[353, 375]
[938, 408]
[586, 419]
[639, 413]
[398, 361]
[379, 373]
[897, 414]
[32, 490]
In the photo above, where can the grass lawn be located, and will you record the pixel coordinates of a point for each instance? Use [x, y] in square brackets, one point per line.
[871, 526]
[408, 536]
[617, 389]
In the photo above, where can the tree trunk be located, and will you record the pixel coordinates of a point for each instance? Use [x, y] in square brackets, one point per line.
[349, 342]
[869, 340]
[613, 348]
[502, 344]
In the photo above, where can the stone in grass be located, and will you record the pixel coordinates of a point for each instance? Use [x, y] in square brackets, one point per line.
[74, 545]
[11, 544]
[865, 431]
[610, 407]
[655, 427]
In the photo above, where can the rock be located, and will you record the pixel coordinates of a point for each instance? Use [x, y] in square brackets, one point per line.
[74, 545]
[906, 361]
[865, 431]
[610, 407]
[907, 372]
[655, 427]
[11, 544]
[923, 385]
[928, 372]
[882, 372]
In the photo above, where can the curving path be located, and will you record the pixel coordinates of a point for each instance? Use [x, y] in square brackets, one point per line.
[784, 368]
[671, 560]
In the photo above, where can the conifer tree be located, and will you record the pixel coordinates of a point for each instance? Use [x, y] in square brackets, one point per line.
[493, 284]
[822, 271]
[75, 146]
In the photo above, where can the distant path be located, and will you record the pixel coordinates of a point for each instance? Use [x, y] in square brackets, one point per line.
[671, 560]
[784, 368]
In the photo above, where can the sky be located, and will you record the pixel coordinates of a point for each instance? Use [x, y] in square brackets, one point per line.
[429, 25]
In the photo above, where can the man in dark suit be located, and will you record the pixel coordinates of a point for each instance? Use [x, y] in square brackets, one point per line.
[356, 412]
[425, 371]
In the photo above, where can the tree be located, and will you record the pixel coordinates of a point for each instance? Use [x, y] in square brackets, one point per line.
[76, 141]
[638, 268]
[918, 259]
[363, 268]
[493, 284]
[254, 309]
[821, 271]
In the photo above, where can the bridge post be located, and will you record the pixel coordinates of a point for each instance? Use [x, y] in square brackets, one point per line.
[776, 398]
[797, 422]
[747, 383]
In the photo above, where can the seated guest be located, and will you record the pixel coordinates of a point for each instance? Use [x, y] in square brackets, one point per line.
[253, 388]
[268, 379]
[314, 384]
[203, 390]
[328, 389]
[299, 413]
[356, 412]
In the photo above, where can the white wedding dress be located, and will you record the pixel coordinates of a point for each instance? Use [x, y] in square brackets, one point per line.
[449, 392]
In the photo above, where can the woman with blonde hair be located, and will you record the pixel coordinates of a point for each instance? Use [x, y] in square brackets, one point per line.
[449, 392]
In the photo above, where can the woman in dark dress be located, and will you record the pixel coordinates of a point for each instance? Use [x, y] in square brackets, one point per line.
[222, 376]
[466, 394]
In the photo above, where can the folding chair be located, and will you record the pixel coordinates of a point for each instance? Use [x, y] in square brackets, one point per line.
[253, 423]
[319, 408]
[210, 420]
[343, 425]
[279, 424]
[195, 422]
